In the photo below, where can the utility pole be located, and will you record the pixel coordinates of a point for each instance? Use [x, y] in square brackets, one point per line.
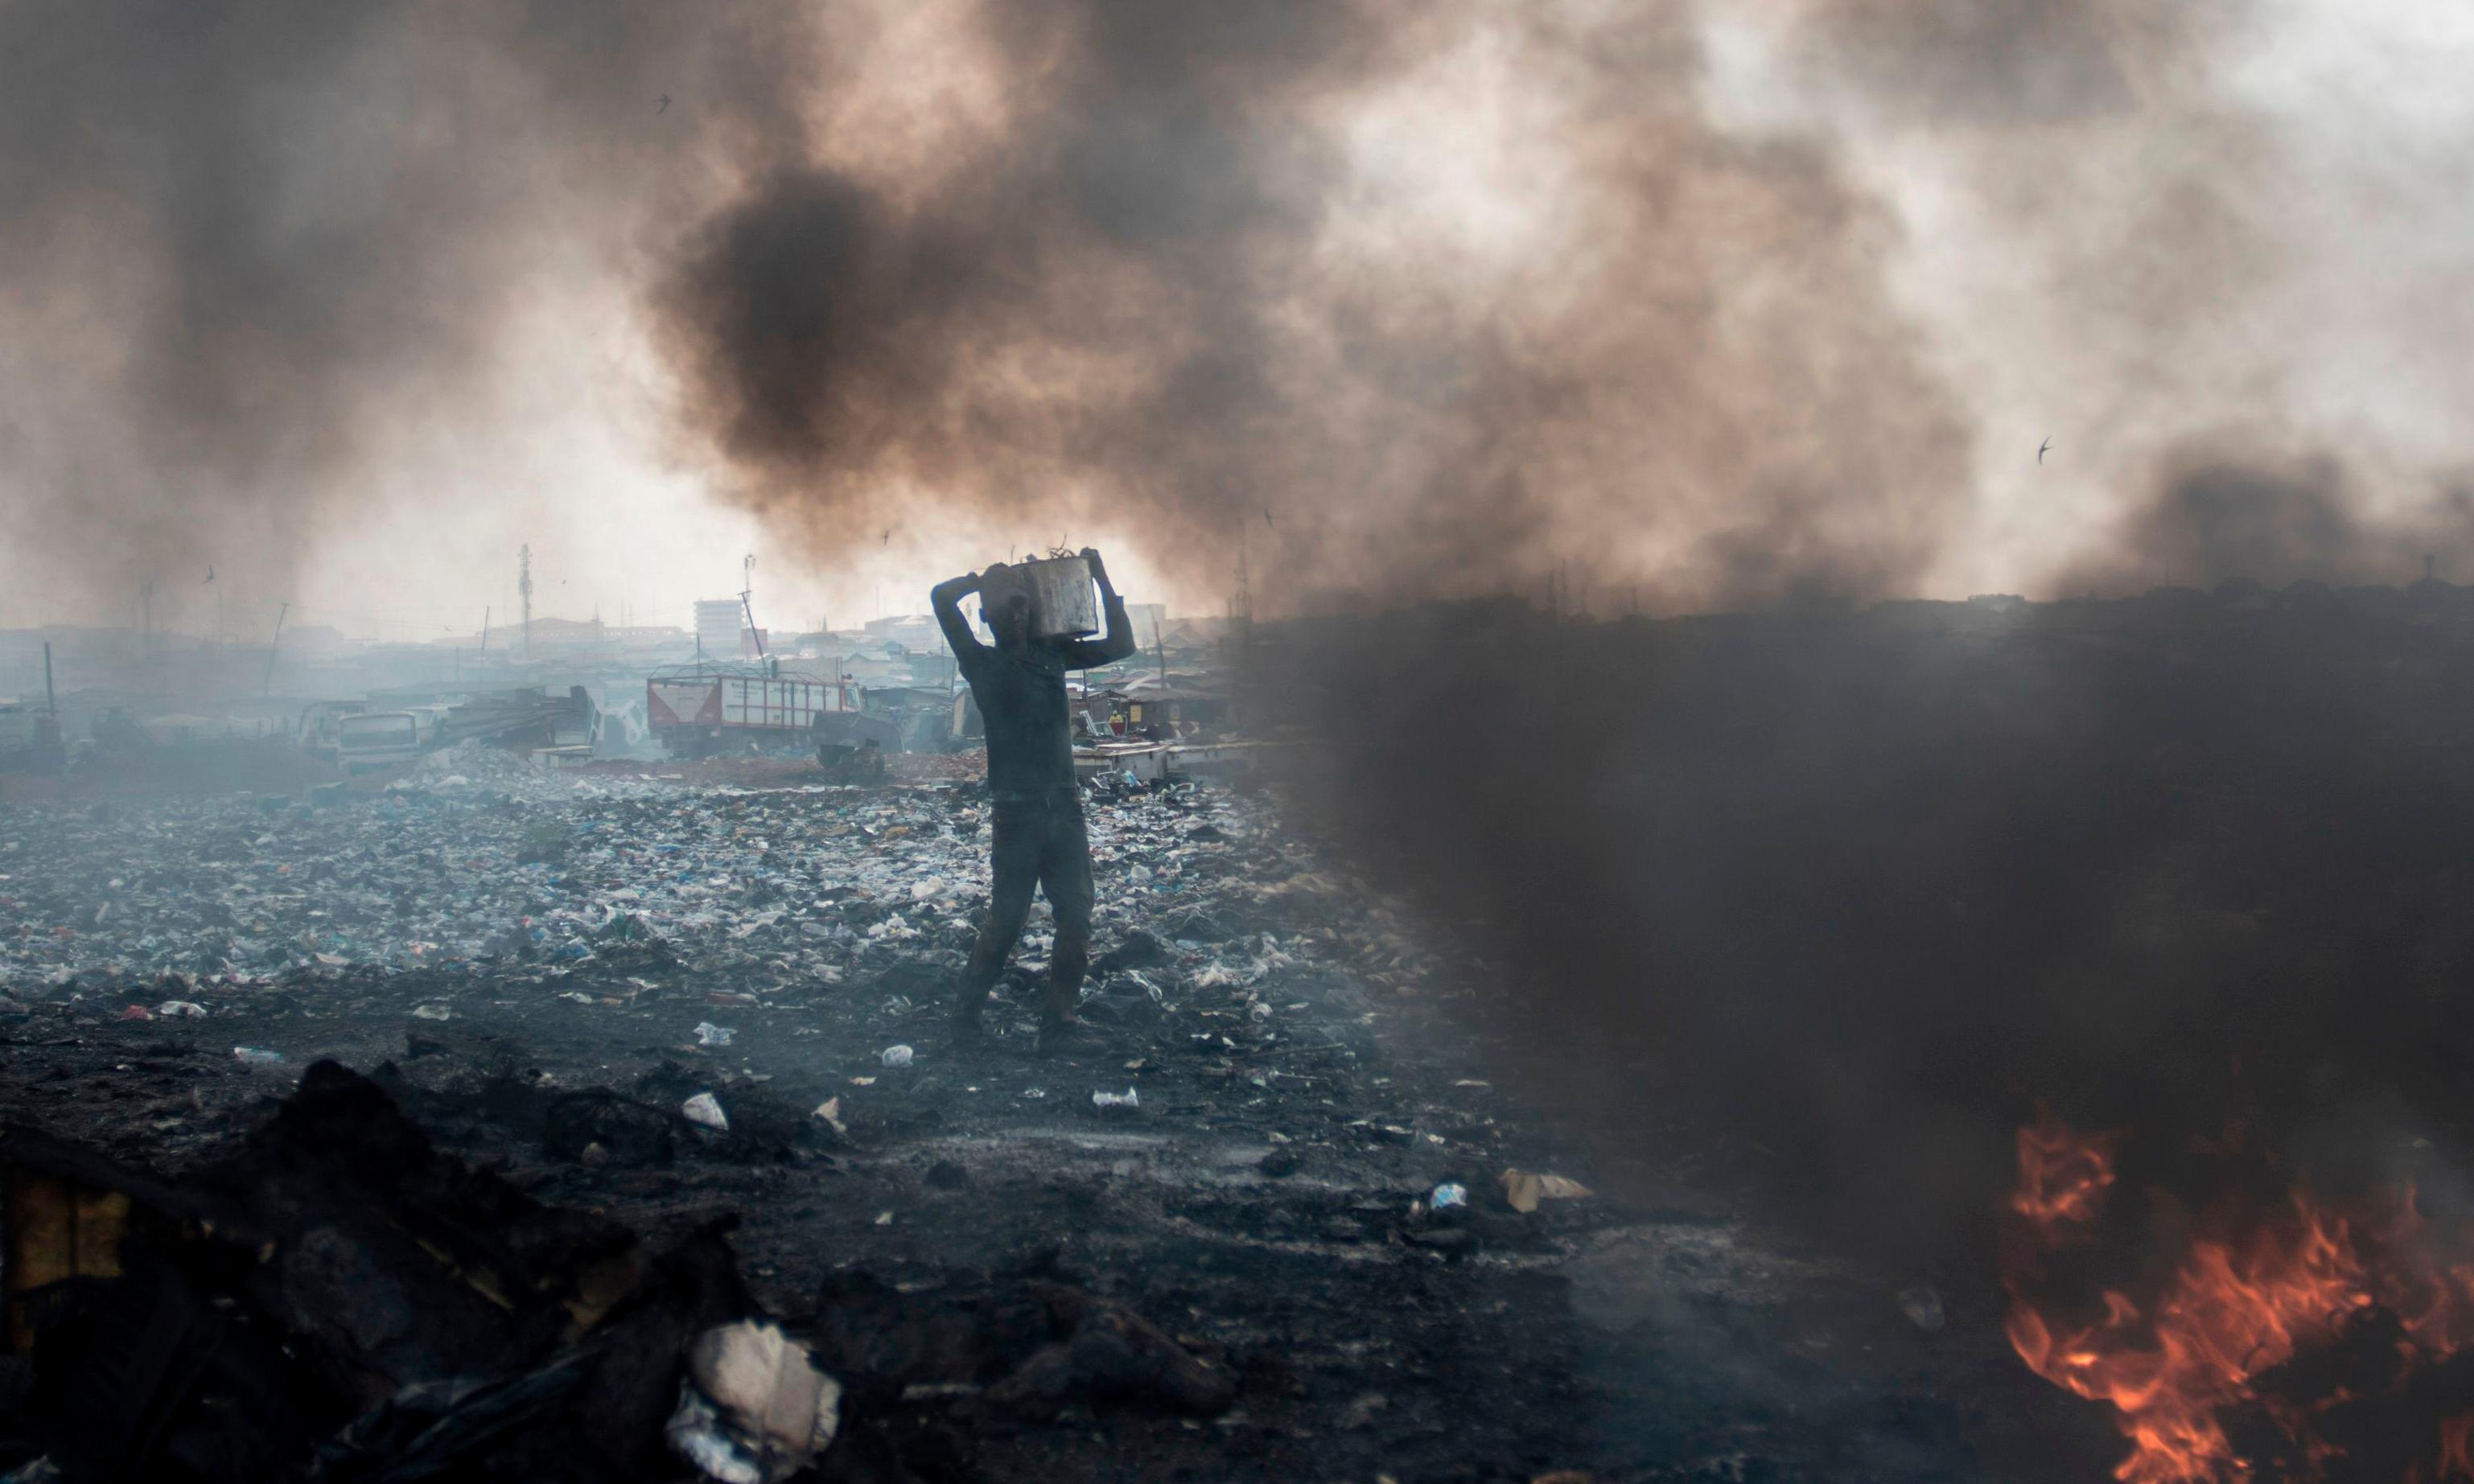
[746, 600]
[47, 730]
[1240, 608]
[484, 652]
[271, 642]
[524, 585]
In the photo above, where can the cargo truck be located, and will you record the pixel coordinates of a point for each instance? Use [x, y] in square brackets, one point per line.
[700, 711]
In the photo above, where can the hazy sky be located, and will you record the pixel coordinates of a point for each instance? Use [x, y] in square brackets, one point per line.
[1709, 301]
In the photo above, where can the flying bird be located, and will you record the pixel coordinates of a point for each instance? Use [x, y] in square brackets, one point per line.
[1266, 516]
[210, 571]
[886, 539]
[665, 104]
[2040, 450]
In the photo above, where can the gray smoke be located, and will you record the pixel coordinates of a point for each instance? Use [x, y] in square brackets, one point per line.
[1398, 299]
[243, 245]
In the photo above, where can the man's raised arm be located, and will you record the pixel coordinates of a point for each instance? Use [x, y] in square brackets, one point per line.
[946, 598]
[1117, 641]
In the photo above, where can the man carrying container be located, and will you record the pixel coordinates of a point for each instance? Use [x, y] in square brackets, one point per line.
[1039, 840]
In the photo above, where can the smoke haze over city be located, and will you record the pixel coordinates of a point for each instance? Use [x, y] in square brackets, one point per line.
[1681, 306]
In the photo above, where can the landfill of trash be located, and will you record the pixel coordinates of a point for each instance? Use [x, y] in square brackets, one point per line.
[475, 766]
[471, 864]
[664, 1064]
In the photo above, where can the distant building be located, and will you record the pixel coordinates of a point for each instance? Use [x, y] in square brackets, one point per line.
[881, 664]
[566, 634]
[910, 631]
[717, 629]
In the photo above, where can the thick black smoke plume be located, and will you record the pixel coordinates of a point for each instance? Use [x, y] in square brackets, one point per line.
[1161, 289]
[1868, 886]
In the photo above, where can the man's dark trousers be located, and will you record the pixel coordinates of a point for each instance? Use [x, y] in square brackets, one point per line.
[1040, 843]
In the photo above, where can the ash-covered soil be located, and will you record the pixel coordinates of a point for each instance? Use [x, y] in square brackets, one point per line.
[1304, 1077]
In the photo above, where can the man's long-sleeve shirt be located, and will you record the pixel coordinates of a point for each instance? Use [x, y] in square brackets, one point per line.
[1022, 697]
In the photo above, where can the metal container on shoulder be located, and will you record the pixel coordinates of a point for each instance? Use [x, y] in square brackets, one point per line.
[1062, 601]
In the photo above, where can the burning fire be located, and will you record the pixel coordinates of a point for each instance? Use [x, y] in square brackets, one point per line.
[2235, 1295]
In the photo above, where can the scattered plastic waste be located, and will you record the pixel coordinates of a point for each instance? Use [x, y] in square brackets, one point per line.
[830, 1114]
[708, 1034]
[181, 1009]
[136, 1013]
[257, 1056]
[896, 1056]
[1128, 1098]
[1448, 1195]
[753, 1407]
[524, 870]
[477, 767]
[433, 1011]
[705, 1110]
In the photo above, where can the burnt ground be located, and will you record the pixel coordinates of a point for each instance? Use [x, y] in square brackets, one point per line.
[1307, 1074]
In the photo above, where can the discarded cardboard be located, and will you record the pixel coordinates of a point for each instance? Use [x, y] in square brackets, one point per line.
[1522, 1190]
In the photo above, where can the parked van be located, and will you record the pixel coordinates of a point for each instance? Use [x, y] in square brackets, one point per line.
[384, 739]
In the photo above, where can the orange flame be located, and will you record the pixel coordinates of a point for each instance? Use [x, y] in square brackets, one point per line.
[2232, 1308]
[2063, 1176]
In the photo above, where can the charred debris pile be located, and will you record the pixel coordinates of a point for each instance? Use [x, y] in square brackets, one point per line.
[337, 1299]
